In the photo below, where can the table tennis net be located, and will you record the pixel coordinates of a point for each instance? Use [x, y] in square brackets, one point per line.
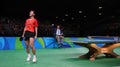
[105, 37]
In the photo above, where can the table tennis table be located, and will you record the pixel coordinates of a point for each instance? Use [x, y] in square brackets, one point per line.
[110, 43]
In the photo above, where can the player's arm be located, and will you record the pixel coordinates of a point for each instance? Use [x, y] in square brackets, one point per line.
[24, 29]
[36, 31]
[23, 32]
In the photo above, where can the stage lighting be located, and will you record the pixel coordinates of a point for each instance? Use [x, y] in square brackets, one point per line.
[72, 18]
[66, 14]
[85, 16]
[100, 7]
[100, 13]
[56, 16]
[63, 19]
[80, 11]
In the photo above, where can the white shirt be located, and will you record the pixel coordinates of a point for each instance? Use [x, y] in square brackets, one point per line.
[58, 32]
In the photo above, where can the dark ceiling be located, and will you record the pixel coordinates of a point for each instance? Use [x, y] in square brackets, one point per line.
[53, 8]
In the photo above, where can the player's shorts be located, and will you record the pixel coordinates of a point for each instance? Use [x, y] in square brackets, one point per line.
[28, 35]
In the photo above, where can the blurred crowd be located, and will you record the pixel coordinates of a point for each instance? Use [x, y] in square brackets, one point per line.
[14, 27]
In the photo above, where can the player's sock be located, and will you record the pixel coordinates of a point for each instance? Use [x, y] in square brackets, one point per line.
[28, 57]
[34, 58]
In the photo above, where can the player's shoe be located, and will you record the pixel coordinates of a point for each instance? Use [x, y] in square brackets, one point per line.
[34, 59]
[28, 58]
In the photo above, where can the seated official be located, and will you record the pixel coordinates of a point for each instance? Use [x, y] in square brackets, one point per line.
[59, 36]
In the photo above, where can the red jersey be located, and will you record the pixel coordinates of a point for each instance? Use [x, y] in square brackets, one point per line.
[30, 25]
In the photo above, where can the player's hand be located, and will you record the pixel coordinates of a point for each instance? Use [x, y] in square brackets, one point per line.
[22, 36]
[35, 37]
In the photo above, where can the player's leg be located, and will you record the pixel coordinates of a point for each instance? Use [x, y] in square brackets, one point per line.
[27, 49]
[58, 40]
[31, 42]
[62, 39]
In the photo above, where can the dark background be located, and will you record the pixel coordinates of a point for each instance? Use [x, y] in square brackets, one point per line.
[48, 12]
